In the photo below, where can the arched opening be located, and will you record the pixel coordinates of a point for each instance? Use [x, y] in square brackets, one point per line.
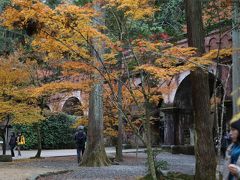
[46, 110]
[183, 112]
[47, 107]
[72, 106]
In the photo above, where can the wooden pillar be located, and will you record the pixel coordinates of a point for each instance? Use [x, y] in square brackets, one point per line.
[169, 126]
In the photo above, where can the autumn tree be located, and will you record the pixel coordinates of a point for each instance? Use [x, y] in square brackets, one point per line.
[15, 108]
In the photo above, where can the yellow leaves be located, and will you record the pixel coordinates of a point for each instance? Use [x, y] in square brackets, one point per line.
[110, 59]
[62, 33]
[155, 95]
[20, 113]
[75, 12]
[213, 54]
[13, 73]
[81, 121]
[27, 114]
[23, 12]
[136, 9]
[180, 52]
[110, 124]
[143, 46]
[79, 67]
[130, 97]
[174, 60]
[59, 87]
[10, 15]
[110, 132]
[158, 73]
[15, 76]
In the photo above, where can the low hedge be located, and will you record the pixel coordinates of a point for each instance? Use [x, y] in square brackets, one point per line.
[56, 132]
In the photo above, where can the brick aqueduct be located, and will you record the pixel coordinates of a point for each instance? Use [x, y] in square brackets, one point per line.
[174, 125]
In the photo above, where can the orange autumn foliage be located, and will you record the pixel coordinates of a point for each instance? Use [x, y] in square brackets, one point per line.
[63, 36]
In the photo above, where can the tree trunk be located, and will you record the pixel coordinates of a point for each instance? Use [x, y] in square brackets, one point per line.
[204, 145]
[119, 155]
[4, 146]
[95, 154]
[236, 56]
[147, 127]
[39, 139]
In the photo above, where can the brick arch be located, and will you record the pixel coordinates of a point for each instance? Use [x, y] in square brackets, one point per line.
[57, 101]
[168, 98]
[183, 76]
[72, 106]
[213, 44]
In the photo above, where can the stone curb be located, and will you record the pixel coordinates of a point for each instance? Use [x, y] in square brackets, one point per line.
[35, 177]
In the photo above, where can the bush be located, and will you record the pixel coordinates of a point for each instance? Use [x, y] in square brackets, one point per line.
[56, 132]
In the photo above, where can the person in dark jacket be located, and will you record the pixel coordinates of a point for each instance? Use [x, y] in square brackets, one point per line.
[231, 169]
[80, 139]
[12, 143]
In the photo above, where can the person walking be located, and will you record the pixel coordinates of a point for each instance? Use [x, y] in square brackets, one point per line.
[20, 142]
[12, 143]
[80, 139]
[231, 170]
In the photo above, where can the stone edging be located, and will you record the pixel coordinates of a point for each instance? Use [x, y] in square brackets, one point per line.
[35, 177]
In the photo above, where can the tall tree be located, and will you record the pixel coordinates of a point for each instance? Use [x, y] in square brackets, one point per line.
[95, 154]
[236, 56]
[204, 147]
[119, 155]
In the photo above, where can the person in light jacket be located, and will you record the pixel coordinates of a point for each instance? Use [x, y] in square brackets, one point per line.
[20, 142]
[231, 169]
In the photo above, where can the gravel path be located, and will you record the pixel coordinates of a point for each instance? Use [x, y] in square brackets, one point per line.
[131, 168]
[109, 173]
[179, 162]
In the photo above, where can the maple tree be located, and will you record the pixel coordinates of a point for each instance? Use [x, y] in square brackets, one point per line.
[15, 109]
[14, 78]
